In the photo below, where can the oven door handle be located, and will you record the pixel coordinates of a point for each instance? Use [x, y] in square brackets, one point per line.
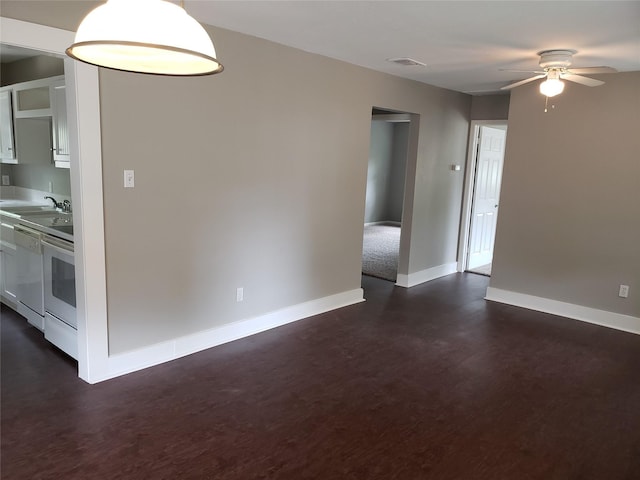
[58, 245]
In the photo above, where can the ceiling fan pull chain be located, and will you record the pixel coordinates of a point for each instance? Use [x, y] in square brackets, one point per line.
[546, 102]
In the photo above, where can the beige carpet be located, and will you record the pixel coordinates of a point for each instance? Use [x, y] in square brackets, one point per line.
[380, 247]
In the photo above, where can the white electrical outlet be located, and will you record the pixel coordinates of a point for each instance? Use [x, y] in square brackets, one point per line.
[6, 180]
[624, 291]
[239, 294]
[50, 187]
[129, 179]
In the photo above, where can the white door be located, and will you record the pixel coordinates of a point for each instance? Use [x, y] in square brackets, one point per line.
[486, 196]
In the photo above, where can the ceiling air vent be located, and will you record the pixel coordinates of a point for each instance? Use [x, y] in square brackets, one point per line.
[406, 61]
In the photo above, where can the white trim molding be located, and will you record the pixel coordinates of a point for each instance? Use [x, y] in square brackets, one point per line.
[83, 112]
[626, 323]
[128, 362]
[469, 186]
[427, 275]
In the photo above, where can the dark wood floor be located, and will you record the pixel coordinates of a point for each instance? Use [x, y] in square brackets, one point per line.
[427, 383]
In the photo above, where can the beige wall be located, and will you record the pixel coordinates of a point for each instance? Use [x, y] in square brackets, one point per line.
[569, 224]
[490, 107]
[254, 178]
[386, 171]
[32, 68]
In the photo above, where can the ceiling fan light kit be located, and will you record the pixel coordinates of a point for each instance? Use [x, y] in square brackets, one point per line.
[145, 36]
[552, 86]
[556, 68]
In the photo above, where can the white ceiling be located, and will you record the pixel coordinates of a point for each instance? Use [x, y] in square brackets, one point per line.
[463, 43]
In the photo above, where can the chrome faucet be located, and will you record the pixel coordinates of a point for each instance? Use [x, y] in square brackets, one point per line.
[56, 204]
[64, 206]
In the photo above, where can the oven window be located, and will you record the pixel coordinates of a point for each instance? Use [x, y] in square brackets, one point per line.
[63, 281]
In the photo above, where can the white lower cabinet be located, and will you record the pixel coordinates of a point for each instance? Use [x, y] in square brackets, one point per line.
[8, 276]
[8, 269]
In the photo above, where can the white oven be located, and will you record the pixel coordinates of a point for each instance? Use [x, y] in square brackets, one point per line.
[60, 294]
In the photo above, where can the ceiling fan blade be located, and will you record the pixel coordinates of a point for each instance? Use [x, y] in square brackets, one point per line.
[522, 82]
[520, 71]
[591, 70]
[589, 82]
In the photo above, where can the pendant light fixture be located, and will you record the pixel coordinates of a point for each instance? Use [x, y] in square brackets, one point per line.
[145, 36]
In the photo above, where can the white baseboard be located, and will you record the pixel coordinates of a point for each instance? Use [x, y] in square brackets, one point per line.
[626, 323]
[9, 302]
[426, 275]
[128, 362]
[32, 317]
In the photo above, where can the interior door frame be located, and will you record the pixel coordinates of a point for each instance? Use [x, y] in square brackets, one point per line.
[469, 187]
[406, 223]
[83, 104]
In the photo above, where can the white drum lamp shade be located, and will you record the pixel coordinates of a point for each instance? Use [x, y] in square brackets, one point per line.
[145, 36]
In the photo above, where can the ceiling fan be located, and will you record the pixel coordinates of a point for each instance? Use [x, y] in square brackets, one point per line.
[556, 67]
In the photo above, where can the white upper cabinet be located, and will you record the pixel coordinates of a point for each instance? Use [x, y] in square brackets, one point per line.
[60, 133]
[32, 99]
[7, 144]
[25, 109]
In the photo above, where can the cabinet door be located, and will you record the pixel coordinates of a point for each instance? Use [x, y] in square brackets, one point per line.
[60, 128]
[31, 99]
[7, 147]
[8, 271]
[8, 274]
[33, 140]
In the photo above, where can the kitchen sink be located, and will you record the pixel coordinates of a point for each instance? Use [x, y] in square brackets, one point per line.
[63, 228]
[49, 219]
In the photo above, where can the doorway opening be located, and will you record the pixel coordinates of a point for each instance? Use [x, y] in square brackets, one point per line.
[83, 116]
[385, 193]
[482, 196]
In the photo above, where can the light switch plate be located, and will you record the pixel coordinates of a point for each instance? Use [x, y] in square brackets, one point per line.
[129, 179]
[6, 180]
[624, 291]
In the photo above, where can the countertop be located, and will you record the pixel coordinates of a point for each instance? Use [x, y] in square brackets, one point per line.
[39, 217]
[10, 203]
